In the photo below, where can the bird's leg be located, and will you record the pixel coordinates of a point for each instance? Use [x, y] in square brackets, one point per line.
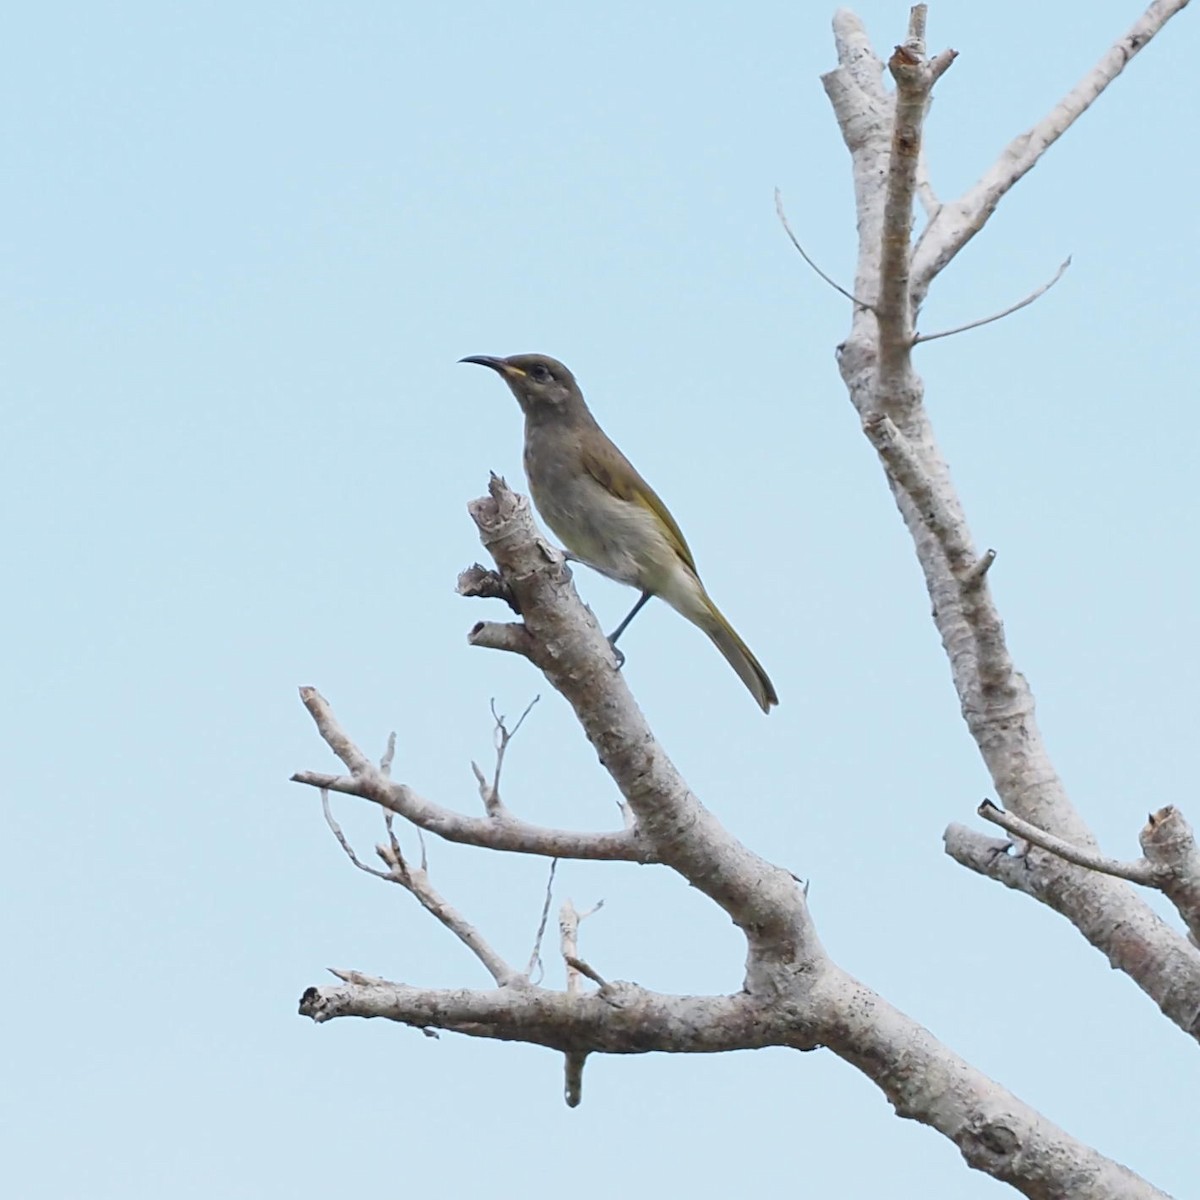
[633, 612]
[620, 629]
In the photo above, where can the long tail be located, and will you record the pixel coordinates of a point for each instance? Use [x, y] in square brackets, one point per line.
[686, 595]
[738, 656]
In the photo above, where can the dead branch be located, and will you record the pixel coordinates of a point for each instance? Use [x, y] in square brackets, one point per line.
[1037, 293]
[960, 220]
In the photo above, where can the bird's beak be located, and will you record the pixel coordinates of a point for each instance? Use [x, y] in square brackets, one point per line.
[497, 364]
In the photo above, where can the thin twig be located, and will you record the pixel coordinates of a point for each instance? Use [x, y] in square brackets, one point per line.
[336, 829]
[535, 958]
[568, 929]
[503, 737]
[569, 919]
[521, 718]
[389, 754]
[356, 762]
[1012, 308]
[1136, 872]
[388, 821]
[489, 793]
[484, 787]
[974, 576]
[396, 854]
[415, 881]
[508, 833]
[577, 964]
[568, 926]
[960, 220]
[837, 287]
[417, 884]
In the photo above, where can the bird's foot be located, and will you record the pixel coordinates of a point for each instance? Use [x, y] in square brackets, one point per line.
[618, 655]
[569, 558]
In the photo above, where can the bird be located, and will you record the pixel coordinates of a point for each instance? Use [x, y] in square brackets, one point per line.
[606, 515]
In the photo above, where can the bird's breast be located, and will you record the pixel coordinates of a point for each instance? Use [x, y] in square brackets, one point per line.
[617, 537]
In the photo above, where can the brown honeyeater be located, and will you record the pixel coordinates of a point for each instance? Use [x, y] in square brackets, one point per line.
[605, 513]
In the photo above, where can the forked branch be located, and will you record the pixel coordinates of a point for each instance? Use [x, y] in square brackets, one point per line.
[957, 221]
[501, 832]
[883, 136]
[792, 995]
[1171, 863]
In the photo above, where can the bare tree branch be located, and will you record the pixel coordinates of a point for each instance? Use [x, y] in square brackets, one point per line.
[993, 668]
[915, 76]
[579, 967]
[334, 736]
[988, 1125]
[573, 1063]
[342, 841]
[864, 108]
[416, 881]
[837, 287]
[1136, 872]
[994, 1131]
[478, 581]
[783, 952]
[389, 755]
[960, 220]
[625, 1020]
[490, 793]
[568, 927]
[501, 635]
[988, 856]
[1170, 846]
[793, 994]
[505, 833]
[494, 833]
[1012, 308]
[535, 956]
[1176, 961]
[907, 471]
[573, 653]
[883, 139]
[1171, 863]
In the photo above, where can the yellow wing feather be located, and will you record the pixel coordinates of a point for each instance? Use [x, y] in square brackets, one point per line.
[603, 463]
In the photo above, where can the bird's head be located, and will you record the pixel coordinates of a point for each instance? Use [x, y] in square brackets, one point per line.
[542, 385]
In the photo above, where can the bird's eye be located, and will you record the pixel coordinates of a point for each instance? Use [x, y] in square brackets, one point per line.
[540, 373]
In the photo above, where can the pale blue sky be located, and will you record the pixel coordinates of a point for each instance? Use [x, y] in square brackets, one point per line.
[243, 248]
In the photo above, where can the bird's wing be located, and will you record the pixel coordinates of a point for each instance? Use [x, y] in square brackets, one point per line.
[604, 463]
